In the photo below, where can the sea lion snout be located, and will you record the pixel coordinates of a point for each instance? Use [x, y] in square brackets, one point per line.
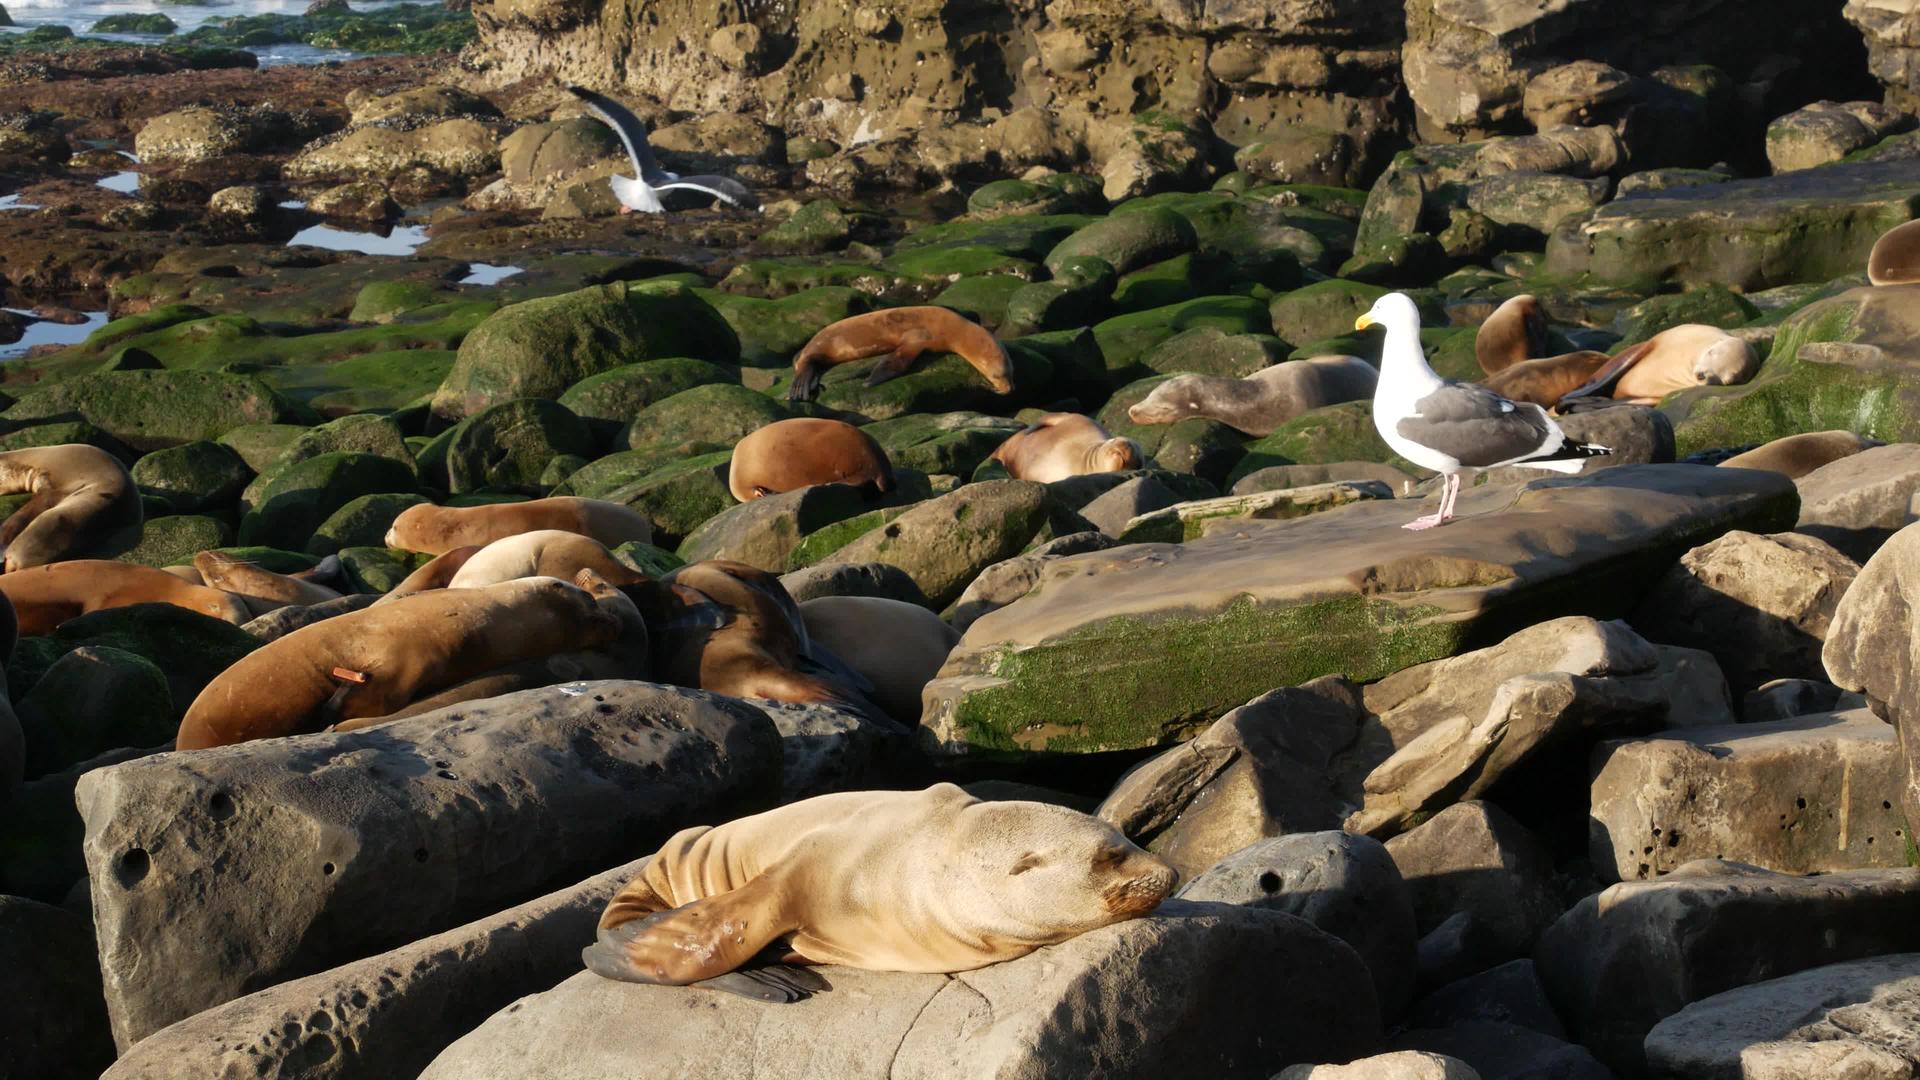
[1145, 880]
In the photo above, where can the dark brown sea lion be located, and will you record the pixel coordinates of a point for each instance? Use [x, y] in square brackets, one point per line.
[1545, 381]
[1515, 333]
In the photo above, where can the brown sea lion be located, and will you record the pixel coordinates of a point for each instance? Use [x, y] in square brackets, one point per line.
[260, 589]
[1515, 333]
[1895, 259]
[790, 454]
[903, 334]
[1797, 455]
[542, 553]
[1545, 381]
[732, 629]
[895, 646]
[1059, 445]
[1677, 358]
[931, 881]
[45, 596]
[81, 495]
[1260, 403]
[378, 660]
[439, 529]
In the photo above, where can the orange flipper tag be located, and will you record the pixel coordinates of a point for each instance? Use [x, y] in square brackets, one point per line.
[345, 675]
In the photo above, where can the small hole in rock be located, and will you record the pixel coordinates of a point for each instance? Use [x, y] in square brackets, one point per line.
[1269, 882]
[445, 775]
[326, 868]
[221, 806]
[132, 867]
[419, 854]
[1799, 804]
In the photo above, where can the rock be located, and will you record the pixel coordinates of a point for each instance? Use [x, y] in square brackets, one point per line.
[1623, 960]
[1281, 477]
[1804, 795]
[852, 579]
[1870, 649]
[419, 101]
[1264, 769]
[827, 748]
[1138, 495]
[676, 499]
[1851, 1019]
[1203, 517]
[743, 47]
[952, 443]
[361, 433]
[1636, 434]
[1534, 204]
[152, 410]
[196, 135]
[1112, 641]
[1581, 93]
[452, 148]
[362, 200]
[1302, 156]
[1235, 992]
[1322, 310]
[1760, 604]
[244, 202]
[719, 142]
[1859, 501]
[1128, 242]
[54, 1026]
[720, 413]
[92, 700]
[1784, 699]
[1010, 579]
[362, 522]
[389, 1014]
[193, 477]
[1345, 885]
[296, 500]
[40, 835]
[261, 445]
[1506, 1052]
[481, 805]
[1403, 1065]
[1890, 48]
[945, 543]
[1828, 131]
[189, 648]
[1474, 859]
[536, 160]
[764, 532]
[1508, 994]
[610, 400]
[506, 447]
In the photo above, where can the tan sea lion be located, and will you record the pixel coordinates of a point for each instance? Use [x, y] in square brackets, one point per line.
[543, 553]
[1260, 403]
[260, 589]
[930, 881]
[1677, 358]
[46, 596]
[1895, 259]
[1059, 445]
[787, 455]
[895, 646]
[378, 660]
[1515, 333]
[439, 529]
[903, 333]
[732, 629]
[1797, 455]
[437, 573]
[81, 496]
[1545, 381]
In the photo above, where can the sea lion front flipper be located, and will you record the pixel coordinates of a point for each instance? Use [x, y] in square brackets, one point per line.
[701, 940]
[895, 364]
[778, 984]
[1602, 382]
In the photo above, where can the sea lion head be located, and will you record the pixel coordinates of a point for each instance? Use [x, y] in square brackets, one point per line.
[1727, 362]
[412, 527]
[1046, 873]
[1895, 259]
[1118, 455]
[1168, 403]
[1000, 377]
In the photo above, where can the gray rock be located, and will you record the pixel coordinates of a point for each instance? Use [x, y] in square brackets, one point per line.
[1628, 957]
[1193, 520]
[852, 579]
[764, 531]
[1111, 511]
[1697, 693]
[283, 621]
[1004, 582]
[1827, 131]
[244, 865]
[1858, 502]
[1281, 477]
[1474, 860]
[1783, 699]
[1343, 884]
[1853, 1020]
[1198, 989]
[54, 1026]
[1535, 203]
[1804, 795]
[1870, 648]
[1506, 1052]
[944, 543]
[825, 748]
[1400, 1065]
[1508, 994]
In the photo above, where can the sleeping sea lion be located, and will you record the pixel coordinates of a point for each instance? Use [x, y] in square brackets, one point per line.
[1515, 333]
[378, 660]
[896, 646]
[903, 334]
[260, 589]
[732, 629]
[790, 454]
[1059, 445]
[931, 881]
[46, 596]
[1260, 403]
[543, 553]
[81, 495]
[1545, 381]
[1677, 358]
[439, 529]
[1797, 455]
[1895, 259]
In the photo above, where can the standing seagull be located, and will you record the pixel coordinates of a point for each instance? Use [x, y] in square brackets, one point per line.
[642, 191]
[1453, 427]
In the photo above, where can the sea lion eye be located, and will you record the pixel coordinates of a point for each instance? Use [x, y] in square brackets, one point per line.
[1026, 863]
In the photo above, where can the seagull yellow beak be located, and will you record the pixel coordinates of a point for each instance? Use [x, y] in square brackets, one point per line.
[1363, 322]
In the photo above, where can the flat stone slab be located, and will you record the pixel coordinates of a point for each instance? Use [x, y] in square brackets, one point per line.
[1144, 644]
[1203, 517]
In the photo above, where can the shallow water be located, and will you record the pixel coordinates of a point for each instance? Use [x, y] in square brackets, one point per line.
[401, 241]
[12, 202]
[80, 15]
[52, 333]
[126, 183]
[484, 274]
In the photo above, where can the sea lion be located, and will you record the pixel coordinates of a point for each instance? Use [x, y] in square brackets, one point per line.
[790, 454]
[1059, 445]
[376, 661]
[439, 529]
[543, 553]
[897, 647]
[437, 573]
[46, 596]
[1797, 455]
[81, 495]
[732, 629]
[525, 675]
[260, 589]
[1895, 259]
[929, 881]
[1515, 333]
[1677, 358]
[1260, 403]
[1545, 381]
[903, 333]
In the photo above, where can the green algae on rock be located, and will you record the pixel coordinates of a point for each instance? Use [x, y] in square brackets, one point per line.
[174, 540]
[945, 542]
[300, 497]
[771, 331]
[507, 447]
[1324, 436]
[1126, 339]
[152, 410]
[764, 532]
[193, 477]
[722, 413]
[363, 522]
[610, 400]
[678, 498]
[190, 648]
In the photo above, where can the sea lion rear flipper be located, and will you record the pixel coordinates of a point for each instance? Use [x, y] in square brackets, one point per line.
[693, 942]
[1602, 382]
[895, 364]
[777, 984]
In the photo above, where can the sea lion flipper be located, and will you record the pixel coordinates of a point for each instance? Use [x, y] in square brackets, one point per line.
[693, 942]
[778, 984]
[1602, 382]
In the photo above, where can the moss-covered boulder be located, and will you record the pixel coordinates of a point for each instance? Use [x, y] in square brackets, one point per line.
[1198, 446]
[610, 400]
[1080, 294]
[507, 447]
[359, 434]
[822, 542]
[73, 431]
[1183, 277]
[951, 263]
[1130, 241]
[540, 347]
[94, 699]
[193, 477]
[982, 297]
[944, 543]
[952, 443]
[1711, 305]
[771, 331]
[152, 410]
[1125, 340]
[678, 498]
[1343, 432]
[378, 569]
[596, 478]
[1324, 309]
[1027, 236]
[936, 383]
[382, 301]
[819, 227]
[189, 648]
[764, 531]
[291, 507]
[647, 559]
[176, 539]
[1207, 350]
[363, 522]
[722, 413]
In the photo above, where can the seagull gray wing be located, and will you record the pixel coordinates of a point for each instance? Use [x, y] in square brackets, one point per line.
[632, 133]
[1477, 427]
[726, 189]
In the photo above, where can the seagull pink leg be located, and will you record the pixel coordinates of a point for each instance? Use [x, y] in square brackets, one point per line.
[1446, 507]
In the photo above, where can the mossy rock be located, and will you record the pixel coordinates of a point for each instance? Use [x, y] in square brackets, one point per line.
[815, 229]
[1026, 236]
[647, 559]
[610, 400]
[679, 497]
[773, 279]
[91, 700]
[1129, 241]
[1125, 340]
[1004, 197]
[384, 381]
[196, 476]
[559, 469]
[382, 301]
[1207, 350]
[151, 23]
[1200, 447]
[262, 445]
[76, 431]
[540, 347]
[507, 447]
[822, 542]
[1263, 241]
[277, 560]
[191, 649]
[772, 331]
[1048, 305]
[1343, 432]
[953, 443]
[152, 410]
[939, 383]
[176, 539]
[379, 569]
[1324, 309]
[1113, 415]
[363, 522]
[362, 434]
[763, 532]
[1181, 278]
[1070, 358]
[982, 298]
[944, 543]
[1711, 305]
[302, 496]
[950, 263]
[596, 479]
[722, 413]
[1452, 353]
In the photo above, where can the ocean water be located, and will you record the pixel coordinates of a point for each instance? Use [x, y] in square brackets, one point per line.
[80, 15]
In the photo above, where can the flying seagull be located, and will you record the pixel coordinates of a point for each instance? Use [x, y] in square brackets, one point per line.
[1452, 427]
[642, 192]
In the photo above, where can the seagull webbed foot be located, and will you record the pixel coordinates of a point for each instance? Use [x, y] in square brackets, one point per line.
[1428, 522]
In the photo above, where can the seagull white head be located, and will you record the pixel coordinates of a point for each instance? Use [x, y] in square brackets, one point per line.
[1395, 311]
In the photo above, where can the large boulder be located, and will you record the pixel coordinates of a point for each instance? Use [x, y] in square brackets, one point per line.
[92, 700]
[1871, 648]
[1827, 131]
[764, 532]
[294, 502]
[1211, 988]
[1474, 862]
[944, 543]
[197, 135]
[53, 1026]
[462, 147]
[152, 410]
[1148, 643]
[507, 447]
[1859, 501]
[194, 477]
[245, 865]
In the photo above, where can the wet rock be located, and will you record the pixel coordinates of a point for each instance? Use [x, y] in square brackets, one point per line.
[452, 148]
[945, 543]
[54, 1025]
[1010, 579]
[1858, 502]
[552, 780]
[420, 101]
[1403, 1065]
[1508, 994]
[362, 200]
[245, 203]
[1474, 859]
[1827, 131]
